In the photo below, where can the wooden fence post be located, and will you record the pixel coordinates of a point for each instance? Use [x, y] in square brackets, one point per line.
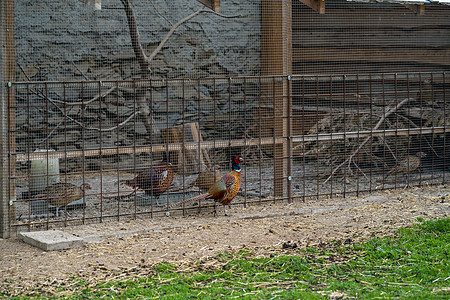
[7, 74]
[277, 61]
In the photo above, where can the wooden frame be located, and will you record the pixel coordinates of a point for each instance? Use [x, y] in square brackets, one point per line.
[317, 5]
[276, 59]
[7, 116]
[213, 4]
[419, 9]
[23, 157]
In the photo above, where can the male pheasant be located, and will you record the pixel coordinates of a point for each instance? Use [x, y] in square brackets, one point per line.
[225, 189]
[62, 193]
[154, 181]
[406, 165]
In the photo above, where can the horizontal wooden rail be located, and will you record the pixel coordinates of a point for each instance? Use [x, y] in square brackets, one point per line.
[153, 83]
[225, 143]
[140, 149]
[366, 133]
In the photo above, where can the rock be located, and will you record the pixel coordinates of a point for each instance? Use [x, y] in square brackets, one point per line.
[289, 245]
[71, 137]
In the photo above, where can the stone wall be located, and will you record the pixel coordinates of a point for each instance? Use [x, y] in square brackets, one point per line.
[67, 40]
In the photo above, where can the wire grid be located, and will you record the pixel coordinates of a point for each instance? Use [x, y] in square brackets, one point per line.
[78, 80]
[350, 131]
[69, 41]
[93, 132]
[369, 37]
[340, 135]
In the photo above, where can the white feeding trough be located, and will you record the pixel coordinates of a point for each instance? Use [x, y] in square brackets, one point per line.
[44, 172]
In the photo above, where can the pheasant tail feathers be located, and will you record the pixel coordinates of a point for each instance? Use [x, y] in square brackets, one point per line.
[199, 197]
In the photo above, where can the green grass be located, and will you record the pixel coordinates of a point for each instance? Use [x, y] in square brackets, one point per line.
[411, 264]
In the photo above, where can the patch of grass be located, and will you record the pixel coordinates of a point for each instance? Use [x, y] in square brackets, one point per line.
[411, 264]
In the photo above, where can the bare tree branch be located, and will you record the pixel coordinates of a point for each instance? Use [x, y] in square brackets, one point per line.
[182, 21]
[56, 102]
[146, 115]
[85, 102]
[94, 128]
[135, 39]
[159, 14]
[82, 74]
[349, 159]
[144, 62]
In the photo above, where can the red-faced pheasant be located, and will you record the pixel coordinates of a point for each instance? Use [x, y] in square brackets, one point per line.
[407, 165]
[225, 189]
[62, 193]
[154, 181]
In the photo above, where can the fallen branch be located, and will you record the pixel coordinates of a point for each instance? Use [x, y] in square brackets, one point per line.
[96, 128]
[82, 74]
[56, 102]
[349, 159]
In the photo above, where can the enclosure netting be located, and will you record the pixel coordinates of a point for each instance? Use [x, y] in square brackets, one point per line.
[315, 104]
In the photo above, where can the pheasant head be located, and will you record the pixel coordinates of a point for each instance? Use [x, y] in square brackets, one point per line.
[85, 186]
[421, 154]
[236, 163]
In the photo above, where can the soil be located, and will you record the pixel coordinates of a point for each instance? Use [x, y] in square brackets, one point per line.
[124, 249]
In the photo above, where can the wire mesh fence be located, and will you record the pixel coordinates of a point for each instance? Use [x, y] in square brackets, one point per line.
[369, 131]
[321, 136]
[99, 96]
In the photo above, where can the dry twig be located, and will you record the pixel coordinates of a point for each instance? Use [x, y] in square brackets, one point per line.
[349, 159]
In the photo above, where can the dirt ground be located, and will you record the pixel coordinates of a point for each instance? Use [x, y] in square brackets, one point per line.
[124, 249]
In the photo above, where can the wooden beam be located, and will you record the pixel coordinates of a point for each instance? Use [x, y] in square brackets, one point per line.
[367, 133]
[23, 157]
[317, 5]
[197, 159]
[7, 116]
[213, 4]
[276, 59]
[383, 55]
[419, 9]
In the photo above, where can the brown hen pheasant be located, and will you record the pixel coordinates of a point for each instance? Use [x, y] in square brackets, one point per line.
[206, 179]
[225, 189]
[407, 165]
[62, 193]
